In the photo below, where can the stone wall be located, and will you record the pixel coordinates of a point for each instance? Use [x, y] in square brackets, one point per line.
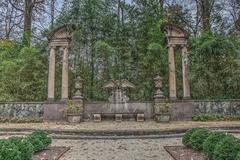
[185, 109]
[228, 107]
[21, 109]
[181, 110]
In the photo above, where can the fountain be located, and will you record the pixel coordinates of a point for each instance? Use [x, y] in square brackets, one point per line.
[118, 98]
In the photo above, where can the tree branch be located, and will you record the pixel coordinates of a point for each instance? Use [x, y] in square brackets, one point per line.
[14, 6]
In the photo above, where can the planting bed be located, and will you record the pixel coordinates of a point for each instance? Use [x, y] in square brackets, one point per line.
[51, 153]
[184, 153]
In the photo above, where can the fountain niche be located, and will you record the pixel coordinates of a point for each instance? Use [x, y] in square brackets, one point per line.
[118, 100]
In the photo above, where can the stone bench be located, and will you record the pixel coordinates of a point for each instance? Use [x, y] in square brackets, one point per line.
[97, 117]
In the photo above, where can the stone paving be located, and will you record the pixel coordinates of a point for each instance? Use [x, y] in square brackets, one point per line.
[125, 125]
[131, 149]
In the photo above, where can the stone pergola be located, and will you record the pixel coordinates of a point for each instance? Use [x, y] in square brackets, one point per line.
[59, 38]
[177, 37]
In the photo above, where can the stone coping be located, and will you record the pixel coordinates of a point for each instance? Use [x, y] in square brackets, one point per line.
[22, 102]
[120, 126]
[95, 102]
[206, 100]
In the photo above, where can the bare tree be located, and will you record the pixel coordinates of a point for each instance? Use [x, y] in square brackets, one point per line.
[235, 13]
[11, 21]
[26, 7]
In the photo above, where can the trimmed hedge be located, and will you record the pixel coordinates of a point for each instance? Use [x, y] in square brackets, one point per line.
[187, 135]
[24, 147]
[227, 149]
[39, 140]
[8, 151]
[211, 142]
[19, 148]
[238, 156]
[215, 145]
[198, 137]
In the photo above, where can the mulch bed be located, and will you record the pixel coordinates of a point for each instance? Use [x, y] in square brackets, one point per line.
[51, 153]
[184, 153]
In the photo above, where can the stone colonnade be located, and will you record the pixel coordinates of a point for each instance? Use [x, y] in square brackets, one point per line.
[60, 38]
[172, 74]
[177, 37]
[51, 73]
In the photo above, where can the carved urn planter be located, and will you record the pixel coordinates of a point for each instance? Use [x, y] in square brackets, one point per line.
[74, 117]
[162, 118]
[162, 112]
[74, 112]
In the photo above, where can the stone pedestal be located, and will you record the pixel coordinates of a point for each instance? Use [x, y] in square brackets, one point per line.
[118, 117]
[158, 96]
[78, 98]
[97, 117]
[140, 117]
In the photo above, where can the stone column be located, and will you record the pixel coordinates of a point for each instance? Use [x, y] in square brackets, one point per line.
[172, 76]
[65, 74]
[51, 74]
[186, 87]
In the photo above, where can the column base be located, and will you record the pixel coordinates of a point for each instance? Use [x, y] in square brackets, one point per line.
[50, 99]
[64, 99]
[186, 98]
[173, 98]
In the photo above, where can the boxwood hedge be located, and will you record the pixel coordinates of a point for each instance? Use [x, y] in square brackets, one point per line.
[227, 149]
[187, 135]
[22, 148]
[198, 137]
[215, 145]
[211, 142]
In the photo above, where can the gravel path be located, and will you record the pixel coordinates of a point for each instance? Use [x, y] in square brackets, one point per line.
[126, 125]
[148, 149]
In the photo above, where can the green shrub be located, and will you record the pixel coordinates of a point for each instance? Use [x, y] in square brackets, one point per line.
[211, 142]
[19, 148]
[24, 146]
[197, 138]
[227, 149]
[207, 117]
[238, 156]
[40, 140]
[9, 151]
[36, 143]
[187, 135]
[43, 137]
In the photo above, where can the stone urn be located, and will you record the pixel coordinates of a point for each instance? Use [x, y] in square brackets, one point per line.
[74, 112]
[162, 112]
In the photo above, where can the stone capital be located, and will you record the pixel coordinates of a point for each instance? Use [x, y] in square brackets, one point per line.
[171, 45]
[51, 46]
[65, 47]
[184, 45]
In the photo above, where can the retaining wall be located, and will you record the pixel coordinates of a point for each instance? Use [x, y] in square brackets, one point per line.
[181, 110]
[20, 109]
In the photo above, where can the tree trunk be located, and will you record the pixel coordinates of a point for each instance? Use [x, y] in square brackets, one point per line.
[206, 9]
[27, 22]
